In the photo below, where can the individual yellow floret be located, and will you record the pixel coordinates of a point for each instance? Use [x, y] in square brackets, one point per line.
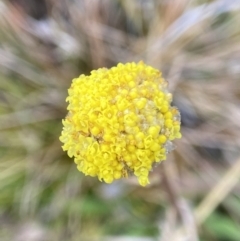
[120, 122]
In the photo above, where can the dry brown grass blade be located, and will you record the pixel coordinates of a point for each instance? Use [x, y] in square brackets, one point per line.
[27, 116]
[218, 193]
[212, 200]
[186, 28]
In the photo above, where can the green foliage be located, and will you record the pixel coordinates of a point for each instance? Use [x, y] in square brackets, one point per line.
[222, 228]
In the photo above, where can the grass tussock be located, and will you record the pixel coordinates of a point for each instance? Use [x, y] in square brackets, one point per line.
[194, 194]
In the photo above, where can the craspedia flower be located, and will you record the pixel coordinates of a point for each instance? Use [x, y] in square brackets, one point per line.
[120, 121]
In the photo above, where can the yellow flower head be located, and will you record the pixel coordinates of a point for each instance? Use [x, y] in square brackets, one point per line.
[120, 121]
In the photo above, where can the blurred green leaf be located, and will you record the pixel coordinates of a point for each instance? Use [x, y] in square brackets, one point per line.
[222, 227]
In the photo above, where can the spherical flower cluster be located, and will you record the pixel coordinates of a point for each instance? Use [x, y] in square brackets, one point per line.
[120, 121]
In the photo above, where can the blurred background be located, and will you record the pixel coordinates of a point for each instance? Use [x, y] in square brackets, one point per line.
[194, 195]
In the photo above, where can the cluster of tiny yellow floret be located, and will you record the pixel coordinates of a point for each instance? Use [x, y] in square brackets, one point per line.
[120, 121]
